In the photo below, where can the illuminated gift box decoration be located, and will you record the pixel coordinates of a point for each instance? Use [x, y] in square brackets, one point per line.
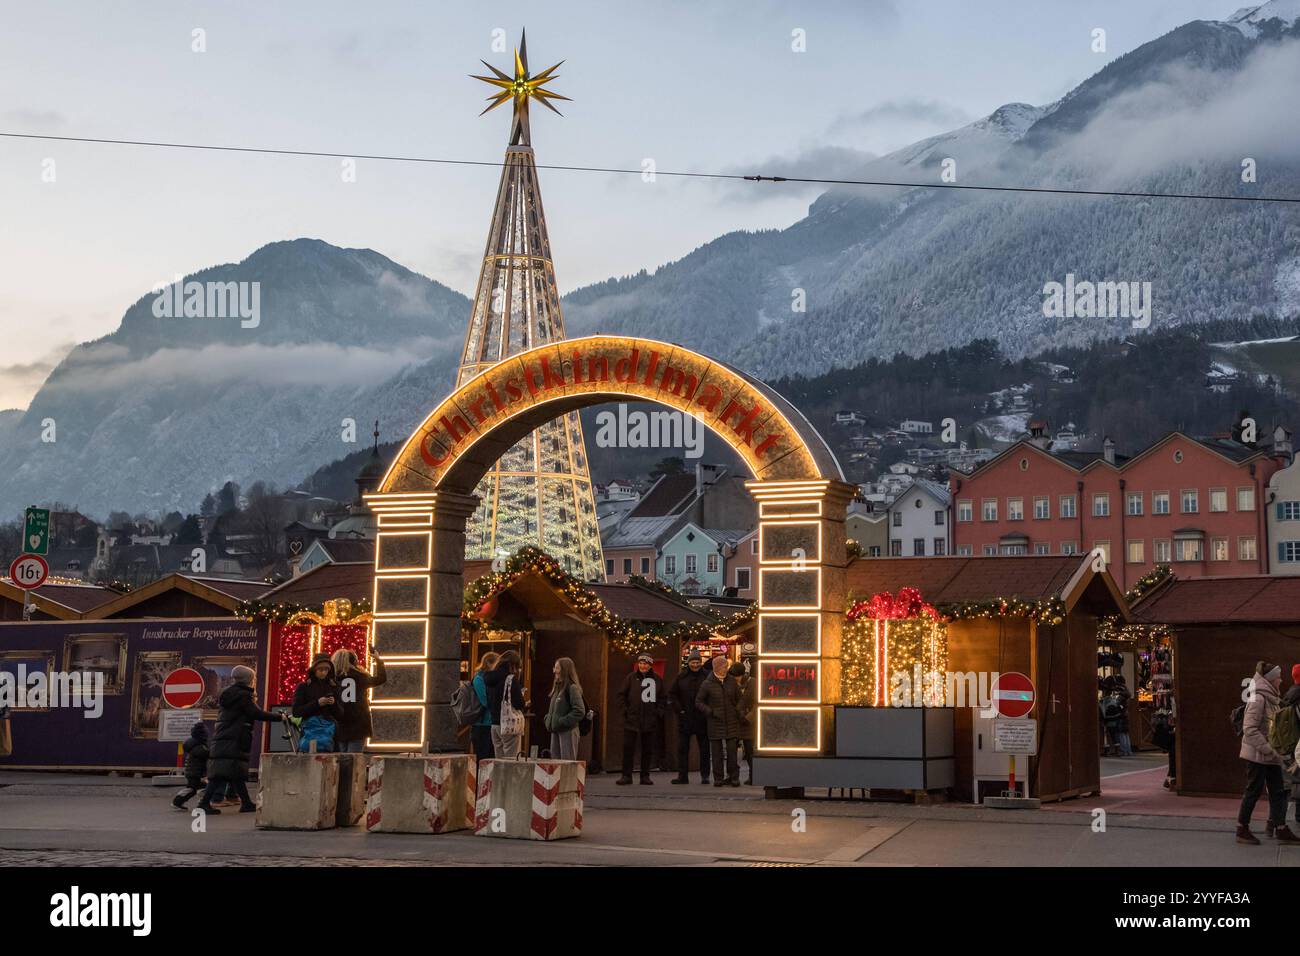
[305, 634]
[895, 652]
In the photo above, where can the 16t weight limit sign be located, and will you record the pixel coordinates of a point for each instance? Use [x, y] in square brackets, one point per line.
[28, 571]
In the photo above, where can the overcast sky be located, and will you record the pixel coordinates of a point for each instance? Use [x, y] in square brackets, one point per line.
[709, 87]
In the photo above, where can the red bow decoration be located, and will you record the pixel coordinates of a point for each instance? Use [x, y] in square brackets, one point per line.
[885, 606]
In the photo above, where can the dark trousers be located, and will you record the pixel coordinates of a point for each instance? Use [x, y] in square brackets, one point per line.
[480, 736]
[1259, 776]
[684, 737]
[647, 747]
[731, 770]
[747, 750]
[238, 787]
[192, 787]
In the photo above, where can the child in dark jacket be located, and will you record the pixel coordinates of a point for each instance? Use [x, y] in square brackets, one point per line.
[196, 763]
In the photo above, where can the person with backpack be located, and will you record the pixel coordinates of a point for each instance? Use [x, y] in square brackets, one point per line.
[355, 727]
[690, 721]
[316, 701]
[1263, 763]
[719, 699]
[506, 704]
[567, 710]
[471, 706]
[644, 703]
[196, 753]
[232, 744]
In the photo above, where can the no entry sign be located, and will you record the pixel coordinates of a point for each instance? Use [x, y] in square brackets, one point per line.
[28, 571]
[1013, 695]
[183, 688]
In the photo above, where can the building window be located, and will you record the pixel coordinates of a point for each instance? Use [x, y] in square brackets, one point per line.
[895, 548]
[989, 509]
[742, 579]
[1104, 548]
[938, 517]
[1288, 552]
[918, 547]
[898, 519]
[1286, 510]
[627, 565]
[1042, 507]
[1246, 548]
[1218, 499]
[1189, 501]
[1042, 547]
[1160, 550]
[873, 551]
[990, 550]
[1015, 509]
[753, 545]
[1246, 498]
[1134, 502]
[940, 547]
[1014, 549]
[609, 567]
[1101, 506]
[1188, 549]
[1160, 502]
[692, 563]
[1137, 552]
[964, 550]
[670, 564]
[965, 510]
[1067, 509]
[1218, 549]
[713, 564]
[645, 565]
[1068, 547]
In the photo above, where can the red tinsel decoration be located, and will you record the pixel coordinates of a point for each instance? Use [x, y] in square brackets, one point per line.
[355, 637]
[886, 606]
[291, 662]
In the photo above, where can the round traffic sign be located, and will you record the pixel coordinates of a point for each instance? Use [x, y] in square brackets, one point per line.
[28, 571]
[183, 688]
[1013, 695]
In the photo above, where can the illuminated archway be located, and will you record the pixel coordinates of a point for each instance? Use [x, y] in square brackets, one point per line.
[425, 498]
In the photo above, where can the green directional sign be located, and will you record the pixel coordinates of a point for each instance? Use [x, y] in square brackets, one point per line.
[36, 533]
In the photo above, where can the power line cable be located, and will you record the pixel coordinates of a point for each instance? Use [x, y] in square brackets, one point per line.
[1046, 190]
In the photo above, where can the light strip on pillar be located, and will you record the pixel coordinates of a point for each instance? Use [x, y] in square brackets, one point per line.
[765, 662]
[409, 612]
[815, 711]
[424, 683]
[427, 537]
[400, 745]
[765, 616]
[789, 607]
[806, 559]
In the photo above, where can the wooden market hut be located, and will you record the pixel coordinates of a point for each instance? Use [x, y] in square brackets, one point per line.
[54, 602]
[1219, 628]
[182, 596]
[1060, 658]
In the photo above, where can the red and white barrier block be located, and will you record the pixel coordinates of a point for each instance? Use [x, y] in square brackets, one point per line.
[420, 793]
[530, 799]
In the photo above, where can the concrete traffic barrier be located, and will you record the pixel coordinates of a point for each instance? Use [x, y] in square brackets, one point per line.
[419, 793]
[352, 790]
[298, 792]
[530, 799]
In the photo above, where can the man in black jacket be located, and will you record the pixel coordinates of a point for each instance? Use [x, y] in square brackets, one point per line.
[691, 722]
[232, 745]
[719, 699]
[644, 704]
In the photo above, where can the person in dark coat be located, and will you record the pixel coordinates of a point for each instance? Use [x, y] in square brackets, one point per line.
[747, 706]
[356, 725]
[195, 749]
[644, 704]
[232, 745]
[510, 667]
[691, 722]
[1291, 762]
[318, 696]
[719, 700]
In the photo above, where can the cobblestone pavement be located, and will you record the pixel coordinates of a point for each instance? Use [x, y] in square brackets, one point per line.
[128, 858]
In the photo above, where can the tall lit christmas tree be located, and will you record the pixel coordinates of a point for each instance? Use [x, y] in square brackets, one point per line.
[539, 492]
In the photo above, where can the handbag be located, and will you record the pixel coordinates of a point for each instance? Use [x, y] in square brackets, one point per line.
[512, 721]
